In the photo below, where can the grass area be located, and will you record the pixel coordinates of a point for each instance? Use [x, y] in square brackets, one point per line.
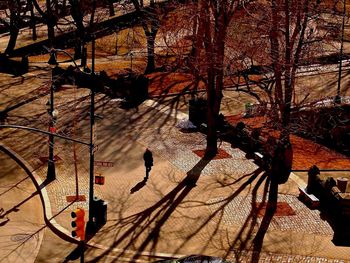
[125, 41]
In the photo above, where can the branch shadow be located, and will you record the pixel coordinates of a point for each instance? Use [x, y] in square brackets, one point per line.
[14, 186]
[16, 207]
[152, 219]
[243, 236]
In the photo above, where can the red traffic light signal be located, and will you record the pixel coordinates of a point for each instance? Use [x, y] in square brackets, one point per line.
[99, 179]
[78, 223]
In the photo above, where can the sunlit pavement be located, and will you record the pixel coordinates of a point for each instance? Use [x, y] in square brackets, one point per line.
[21, 221]
[187, 206]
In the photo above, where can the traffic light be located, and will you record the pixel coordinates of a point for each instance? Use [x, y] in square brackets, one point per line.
[99, 179]
[78, 223]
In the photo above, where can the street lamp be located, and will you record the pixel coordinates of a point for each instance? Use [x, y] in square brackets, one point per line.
[53, 61]
[51, 171]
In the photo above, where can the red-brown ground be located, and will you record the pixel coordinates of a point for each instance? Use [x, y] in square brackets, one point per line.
[222, 154]
[305, 152]
[168, 83]
[283, 209]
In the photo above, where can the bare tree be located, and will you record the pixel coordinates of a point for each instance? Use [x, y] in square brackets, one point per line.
[213, 19]
[32, 19]
[13, 25]
[150, 25]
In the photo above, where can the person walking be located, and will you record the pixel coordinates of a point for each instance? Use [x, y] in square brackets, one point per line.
[148, 158]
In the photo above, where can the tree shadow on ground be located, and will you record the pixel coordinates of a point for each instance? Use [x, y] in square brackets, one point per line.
[246, 232]
[266, 220]
[151, 220]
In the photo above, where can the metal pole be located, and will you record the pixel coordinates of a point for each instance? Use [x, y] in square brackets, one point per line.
[82, 247]
[92, 135]
[51, 172]
[337, 98]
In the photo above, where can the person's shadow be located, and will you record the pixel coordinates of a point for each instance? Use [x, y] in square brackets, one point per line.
[139, 185]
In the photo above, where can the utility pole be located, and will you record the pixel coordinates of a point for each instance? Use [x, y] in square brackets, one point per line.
[92, 140]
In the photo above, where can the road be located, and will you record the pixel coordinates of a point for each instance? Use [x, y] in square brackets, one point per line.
[21, 221]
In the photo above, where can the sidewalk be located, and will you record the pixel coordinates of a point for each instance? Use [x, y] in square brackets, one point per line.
[187, 206]
[20, 240]
[167, 217]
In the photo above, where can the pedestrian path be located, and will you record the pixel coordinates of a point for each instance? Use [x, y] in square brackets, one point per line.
[167, 217]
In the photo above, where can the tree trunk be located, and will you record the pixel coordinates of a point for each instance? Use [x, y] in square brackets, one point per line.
[13, 39]
[14, 29]
[150, 52]
[32, 20]
[50, 21]
[77, 16]
[78, 49]
[116, 43]
[92, 17]
[212, 148]
[14, 26]
[111, 8]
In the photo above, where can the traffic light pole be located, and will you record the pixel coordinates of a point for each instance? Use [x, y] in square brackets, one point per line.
[82, 247]
[51, 172]
[92, 138]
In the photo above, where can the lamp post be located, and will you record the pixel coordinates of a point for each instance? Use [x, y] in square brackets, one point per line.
[91, 223]
[53, 61]
[337, 98]
[51, 171]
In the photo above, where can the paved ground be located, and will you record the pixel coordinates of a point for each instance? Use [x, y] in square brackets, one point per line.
[187, 206]
[21, 221]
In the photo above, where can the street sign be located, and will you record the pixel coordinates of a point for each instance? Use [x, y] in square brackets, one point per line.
[104, 164]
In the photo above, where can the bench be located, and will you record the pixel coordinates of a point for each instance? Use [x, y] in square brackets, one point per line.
[309, 199]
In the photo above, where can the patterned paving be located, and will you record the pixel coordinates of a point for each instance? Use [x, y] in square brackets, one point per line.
[245, 256]
[304, 221]
[178, 149]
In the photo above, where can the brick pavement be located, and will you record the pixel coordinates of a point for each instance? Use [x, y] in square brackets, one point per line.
[176, 147]
[304, 221]
[173, 152]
